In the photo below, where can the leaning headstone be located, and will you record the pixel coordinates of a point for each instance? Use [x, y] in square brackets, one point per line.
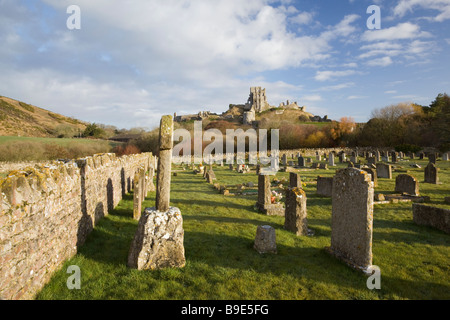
[352, 218]
[265, 240]
[384, 171]
[158, 241]
[324, 186]
[431, 173]
[405, 183]
[296, 214]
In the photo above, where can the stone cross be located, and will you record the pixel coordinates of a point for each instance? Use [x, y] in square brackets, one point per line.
[164, 163]
[352, 218]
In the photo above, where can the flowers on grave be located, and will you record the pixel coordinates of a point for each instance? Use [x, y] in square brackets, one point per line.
[276, 197]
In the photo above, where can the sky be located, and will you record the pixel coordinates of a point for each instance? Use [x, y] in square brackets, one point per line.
[132, 61]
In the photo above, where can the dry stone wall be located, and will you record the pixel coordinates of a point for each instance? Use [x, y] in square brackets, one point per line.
[48, 210]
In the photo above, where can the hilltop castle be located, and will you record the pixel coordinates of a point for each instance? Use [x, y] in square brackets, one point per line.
[256, 103]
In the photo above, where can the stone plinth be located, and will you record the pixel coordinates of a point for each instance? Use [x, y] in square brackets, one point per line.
[158, 241]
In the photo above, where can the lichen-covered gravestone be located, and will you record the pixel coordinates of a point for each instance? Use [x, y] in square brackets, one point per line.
[158, 241]
[264, 203]
[296, 213]
[265, 241]
[408, 184]
[431, 173]
[352, 218]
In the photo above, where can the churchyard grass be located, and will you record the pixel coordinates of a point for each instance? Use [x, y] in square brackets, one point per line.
[219, 233]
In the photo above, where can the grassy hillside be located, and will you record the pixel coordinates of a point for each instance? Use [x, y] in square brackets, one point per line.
[21, 119]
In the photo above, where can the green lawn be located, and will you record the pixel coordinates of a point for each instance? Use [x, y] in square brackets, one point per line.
[222, 264]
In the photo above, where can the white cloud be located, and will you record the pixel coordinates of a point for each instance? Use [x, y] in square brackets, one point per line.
[405, 30]
[303, 18]
[329, 75]
[312, 98]
[408, 6]
[380, 62]
[356, 97]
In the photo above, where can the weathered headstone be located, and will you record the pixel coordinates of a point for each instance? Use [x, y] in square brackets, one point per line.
[324, 186]
[352, 218]
[373, 175]
[394, 157]
[264, 203]
[284, 160]
[372, 160]
[432, 157]
[301, 161]
[431, 173]
[405, 183]
[331, 159]
[265, 240]
[295, 180]
[384, 171]
[296, 213]
[164, 163]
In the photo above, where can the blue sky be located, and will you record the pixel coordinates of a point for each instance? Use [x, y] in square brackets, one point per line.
[133, 61]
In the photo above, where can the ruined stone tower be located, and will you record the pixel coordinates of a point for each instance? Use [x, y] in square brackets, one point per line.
[257, 100]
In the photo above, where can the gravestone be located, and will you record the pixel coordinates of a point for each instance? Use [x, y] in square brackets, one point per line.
[431, 173]
[384, 171]
[405, 183]
[394, 157]
[331, 159]
[323, 166]
[373, 175]
[432, 158]
[445, 156]
[295, 180]
[372, 160]
[138, 192]
[324, 186]
[301, 161]
[158, 241]
[284, 160]
[296, 214]
[377, 156]
[352, 218]
[318, 157]
[265, 240]
[264, 203]
[421, 156]
[342, 157]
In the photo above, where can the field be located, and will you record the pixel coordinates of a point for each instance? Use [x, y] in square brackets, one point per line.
[14, 148]
[222, 264]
